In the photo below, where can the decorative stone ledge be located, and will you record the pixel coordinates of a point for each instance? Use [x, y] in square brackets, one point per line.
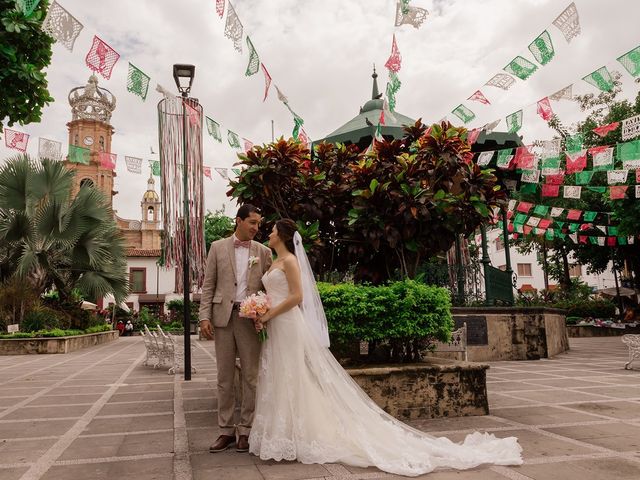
[587, 331]
[512, 333]
[432, 389]
[27, 346]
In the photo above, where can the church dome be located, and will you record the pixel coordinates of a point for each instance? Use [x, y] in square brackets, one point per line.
[151, 195]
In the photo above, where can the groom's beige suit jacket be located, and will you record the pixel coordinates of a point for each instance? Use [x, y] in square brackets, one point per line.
[220, 283]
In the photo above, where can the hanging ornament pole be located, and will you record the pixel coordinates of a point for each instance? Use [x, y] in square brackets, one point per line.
[186, 285]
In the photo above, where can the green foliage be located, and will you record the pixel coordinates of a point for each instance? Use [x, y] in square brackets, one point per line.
[144, 318]
[176, 310]
[98, 328]
[40, 319]
[397, 313]
[25, 52]
[589, 309]
[57, 332]
[53, 240]
[216, 226]
[16, 299]
[573, 320]
[577, 300]
[384, 210]
[602, 108]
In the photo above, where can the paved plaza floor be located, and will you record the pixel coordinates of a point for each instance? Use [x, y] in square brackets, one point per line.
[100, 414]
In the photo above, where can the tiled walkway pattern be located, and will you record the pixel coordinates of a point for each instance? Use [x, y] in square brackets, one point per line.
[99, 414]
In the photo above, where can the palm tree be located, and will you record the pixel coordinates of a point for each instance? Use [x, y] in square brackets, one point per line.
[51, 239]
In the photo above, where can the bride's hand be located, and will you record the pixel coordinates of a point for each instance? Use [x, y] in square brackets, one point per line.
[257, 323]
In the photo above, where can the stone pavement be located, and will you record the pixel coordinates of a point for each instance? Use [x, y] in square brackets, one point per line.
[99, 414]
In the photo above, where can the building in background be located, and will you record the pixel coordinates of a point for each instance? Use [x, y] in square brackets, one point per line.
[90, 129]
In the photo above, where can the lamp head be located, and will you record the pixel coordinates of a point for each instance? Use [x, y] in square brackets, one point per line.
[183, 75]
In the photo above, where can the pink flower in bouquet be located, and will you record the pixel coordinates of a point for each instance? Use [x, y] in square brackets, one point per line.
[255, 306]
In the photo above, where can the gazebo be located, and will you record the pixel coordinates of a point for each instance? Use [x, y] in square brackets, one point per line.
[361, 129]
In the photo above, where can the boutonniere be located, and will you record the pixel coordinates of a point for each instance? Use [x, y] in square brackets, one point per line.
[253, 260]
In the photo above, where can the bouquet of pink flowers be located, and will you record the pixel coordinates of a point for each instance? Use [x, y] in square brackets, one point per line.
[255, 306]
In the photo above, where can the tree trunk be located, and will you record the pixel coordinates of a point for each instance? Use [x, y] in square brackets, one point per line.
[565, 279]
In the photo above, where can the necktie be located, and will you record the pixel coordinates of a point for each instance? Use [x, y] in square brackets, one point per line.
[241, 243]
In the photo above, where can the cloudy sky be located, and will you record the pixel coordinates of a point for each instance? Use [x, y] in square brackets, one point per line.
[320, 54]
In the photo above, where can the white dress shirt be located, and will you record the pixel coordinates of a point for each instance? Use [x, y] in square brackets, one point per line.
[242, 266]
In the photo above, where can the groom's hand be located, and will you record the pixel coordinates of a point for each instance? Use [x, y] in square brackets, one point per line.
[206, 330]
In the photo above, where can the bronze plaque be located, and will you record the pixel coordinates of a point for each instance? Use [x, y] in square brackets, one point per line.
[476, 329]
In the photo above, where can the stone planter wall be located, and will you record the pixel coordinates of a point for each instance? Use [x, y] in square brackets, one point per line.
[586, 331]
[436, 388]
[26, 346]
[518, 333]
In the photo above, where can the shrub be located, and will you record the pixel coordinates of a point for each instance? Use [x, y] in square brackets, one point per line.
[176, 309]
[402, 315]
[40, 319]
[573, 320]
[18, 335]
[98, 328]
[589, 308]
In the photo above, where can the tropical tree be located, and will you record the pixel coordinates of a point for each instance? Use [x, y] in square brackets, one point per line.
[602, 108]
[25, 52]
[383, 211]
[52, 239]
[216, 226]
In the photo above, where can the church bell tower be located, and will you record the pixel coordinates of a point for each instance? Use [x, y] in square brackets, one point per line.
[90, 128]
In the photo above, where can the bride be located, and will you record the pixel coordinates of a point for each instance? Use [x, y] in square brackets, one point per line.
[309, 409]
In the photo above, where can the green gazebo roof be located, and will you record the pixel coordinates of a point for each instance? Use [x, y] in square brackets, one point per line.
[361, 129]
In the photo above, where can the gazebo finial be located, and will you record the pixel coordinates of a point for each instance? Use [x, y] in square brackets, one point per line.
[374, 93]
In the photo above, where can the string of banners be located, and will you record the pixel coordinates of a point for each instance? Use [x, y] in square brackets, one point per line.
[52, 149]
[558, 222]
[234, 30]
[406, 14]
[542, 51]
[600, 78]
[102, 58]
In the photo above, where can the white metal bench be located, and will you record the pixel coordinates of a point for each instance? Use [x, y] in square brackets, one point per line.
[163, 349]
[151, 346]
[458, 342]
[633, 342]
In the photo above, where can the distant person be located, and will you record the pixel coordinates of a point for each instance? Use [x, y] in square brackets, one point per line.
[128, 328]
[629, 315]
[120, 327]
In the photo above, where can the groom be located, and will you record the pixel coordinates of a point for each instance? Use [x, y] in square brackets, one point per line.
[235, 266]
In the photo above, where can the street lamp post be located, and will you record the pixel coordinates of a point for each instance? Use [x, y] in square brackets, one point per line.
[183, 76]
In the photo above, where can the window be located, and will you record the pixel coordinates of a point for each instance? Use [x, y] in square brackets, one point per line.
[575, 271]
[86, 181]
[138, 280]
[150, 214]
[75, 139]
[524, 269]
[499, 243]
[101, 143]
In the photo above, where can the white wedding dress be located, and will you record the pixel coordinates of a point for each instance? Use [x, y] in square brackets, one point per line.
[309, 409]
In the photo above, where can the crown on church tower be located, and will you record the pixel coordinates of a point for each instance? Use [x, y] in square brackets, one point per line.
[92, 102]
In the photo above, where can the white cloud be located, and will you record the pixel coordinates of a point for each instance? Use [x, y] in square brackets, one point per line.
[320, 55]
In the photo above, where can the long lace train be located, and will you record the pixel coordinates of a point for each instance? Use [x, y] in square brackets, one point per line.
[309, 409]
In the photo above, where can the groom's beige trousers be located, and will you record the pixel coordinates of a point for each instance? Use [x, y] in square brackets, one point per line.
[237, 338]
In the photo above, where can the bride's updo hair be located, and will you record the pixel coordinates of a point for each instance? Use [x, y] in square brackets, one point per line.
[286, 230]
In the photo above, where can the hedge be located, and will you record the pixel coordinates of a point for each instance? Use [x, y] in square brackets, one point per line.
[404, 310]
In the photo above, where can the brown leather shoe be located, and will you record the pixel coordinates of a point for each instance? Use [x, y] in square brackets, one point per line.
[222, 443]
[243, 444]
